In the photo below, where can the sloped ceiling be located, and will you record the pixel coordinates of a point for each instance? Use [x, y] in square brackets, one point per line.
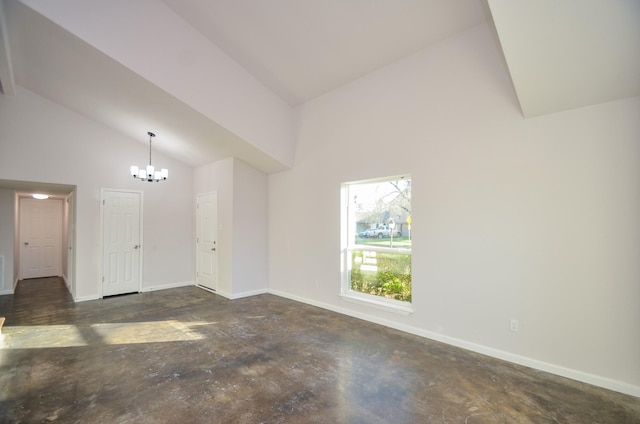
[302, 49]
[561, 55]
[57, 65]
[570, 53]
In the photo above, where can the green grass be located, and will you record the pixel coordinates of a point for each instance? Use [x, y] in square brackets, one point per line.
[401, 242]
[386, 274]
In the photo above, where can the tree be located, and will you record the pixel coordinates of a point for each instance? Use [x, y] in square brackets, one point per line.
[378, 202]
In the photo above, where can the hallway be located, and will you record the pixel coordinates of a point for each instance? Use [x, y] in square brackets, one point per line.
[189, 356]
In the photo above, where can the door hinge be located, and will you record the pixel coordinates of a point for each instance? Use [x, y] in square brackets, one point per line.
[103, 202]
[103, 279]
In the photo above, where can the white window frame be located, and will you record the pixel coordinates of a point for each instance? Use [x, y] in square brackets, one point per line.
[348, 245]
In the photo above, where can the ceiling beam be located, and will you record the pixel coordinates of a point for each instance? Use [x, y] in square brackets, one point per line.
[7, 82]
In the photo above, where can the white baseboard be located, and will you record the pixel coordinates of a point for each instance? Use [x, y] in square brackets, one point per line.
[233, 296]
[7, 291]
[144, 289]
[595, 380]
[167, 286]
[248, 294]
[224, 294]
[86, 298]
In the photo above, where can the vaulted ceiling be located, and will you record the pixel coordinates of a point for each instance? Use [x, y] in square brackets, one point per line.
[569, 53]
[560, 54]
[302, 49]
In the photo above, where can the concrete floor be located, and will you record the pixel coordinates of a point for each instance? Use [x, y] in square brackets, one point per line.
[188, 356]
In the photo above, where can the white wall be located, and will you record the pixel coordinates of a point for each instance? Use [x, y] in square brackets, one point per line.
[250, 230]
[41, 141]
[532, 219]
[7, 210]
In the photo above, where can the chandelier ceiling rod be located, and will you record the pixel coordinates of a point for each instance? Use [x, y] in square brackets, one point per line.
[151, 135]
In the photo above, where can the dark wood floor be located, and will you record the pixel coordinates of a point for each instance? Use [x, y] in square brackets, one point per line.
[188, 356]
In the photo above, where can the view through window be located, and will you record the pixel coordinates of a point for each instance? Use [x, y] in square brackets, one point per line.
[377, 228]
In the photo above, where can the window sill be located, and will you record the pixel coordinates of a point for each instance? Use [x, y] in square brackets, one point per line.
[389, 305]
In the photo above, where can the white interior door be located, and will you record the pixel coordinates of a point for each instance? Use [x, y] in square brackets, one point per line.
[40, 237]
[71, 239]
[206, 240]
[121, 235]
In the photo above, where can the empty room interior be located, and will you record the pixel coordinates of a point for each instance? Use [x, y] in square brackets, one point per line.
[232, 190]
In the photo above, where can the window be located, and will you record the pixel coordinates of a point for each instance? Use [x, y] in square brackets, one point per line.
[376, 242]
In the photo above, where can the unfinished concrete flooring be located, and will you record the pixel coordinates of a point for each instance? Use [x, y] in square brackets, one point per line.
[188, 356]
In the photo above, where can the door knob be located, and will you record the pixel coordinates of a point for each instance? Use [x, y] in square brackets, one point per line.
[26, 243]
[136, 246]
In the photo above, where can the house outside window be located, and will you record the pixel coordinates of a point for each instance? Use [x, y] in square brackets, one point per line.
[376, 243]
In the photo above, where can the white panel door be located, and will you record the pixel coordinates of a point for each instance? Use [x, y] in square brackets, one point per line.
[206, 240]
[121, 235]
[40, 238]
[71, 240]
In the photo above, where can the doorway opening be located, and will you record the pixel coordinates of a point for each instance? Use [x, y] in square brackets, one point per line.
[56, 257]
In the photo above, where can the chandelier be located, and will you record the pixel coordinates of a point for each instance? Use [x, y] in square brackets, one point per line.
[149, 173]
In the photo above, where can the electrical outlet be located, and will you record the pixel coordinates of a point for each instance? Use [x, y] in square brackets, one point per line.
[514, 325]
